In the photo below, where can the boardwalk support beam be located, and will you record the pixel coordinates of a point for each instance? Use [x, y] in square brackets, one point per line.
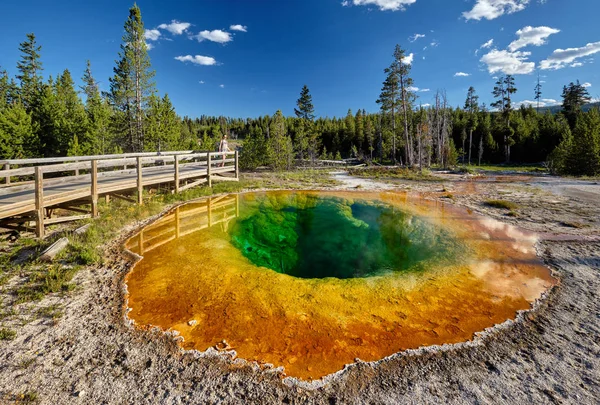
[140, 185]
[176, 174]
[208, 165]
[94, 188]
[39, 202]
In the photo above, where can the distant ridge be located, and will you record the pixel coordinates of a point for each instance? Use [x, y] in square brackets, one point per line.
[555, 109]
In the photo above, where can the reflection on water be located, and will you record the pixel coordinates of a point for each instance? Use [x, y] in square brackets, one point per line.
[198, 277]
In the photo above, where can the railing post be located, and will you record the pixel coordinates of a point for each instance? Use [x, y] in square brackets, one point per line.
[208, 165]
[39, 202]
[7, 167]
[176, 174]
[94, 190]
[237, 166]
[140, 186]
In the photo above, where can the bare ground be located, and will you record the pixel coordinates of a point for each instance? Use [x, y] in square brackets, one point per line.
[549, 355]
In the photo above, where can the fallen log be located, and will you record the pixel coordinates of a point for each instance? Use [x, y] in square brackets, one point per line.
[49, 254]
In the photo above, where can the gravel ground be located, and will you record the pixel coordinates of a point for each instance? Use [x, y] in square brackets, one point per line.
[548, 355]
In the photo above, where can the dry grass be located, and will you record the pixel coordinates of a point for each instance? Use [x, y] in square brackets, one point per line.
[393, 173]
[502, 204]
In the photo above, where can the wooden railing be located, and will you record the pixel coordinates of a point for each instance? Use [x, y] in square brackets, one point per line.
[34, 185]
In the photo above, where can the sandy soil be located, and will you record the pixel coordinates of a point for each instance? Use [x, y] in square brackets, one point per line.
[548, 355]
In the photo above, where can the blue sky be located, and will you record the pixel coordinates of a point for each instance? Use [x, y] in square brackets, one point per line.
[251, 57]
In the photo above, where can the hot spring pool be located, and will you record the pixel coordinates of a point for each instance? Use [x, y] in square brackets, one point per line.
[313, 280]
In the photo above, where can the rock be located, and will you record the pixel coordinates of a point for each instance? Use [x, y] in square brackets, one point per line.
[193, 322]
[80, 393]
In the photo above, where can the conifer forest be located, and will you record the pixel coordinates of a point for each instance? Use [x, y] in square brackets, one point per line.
[46, 117]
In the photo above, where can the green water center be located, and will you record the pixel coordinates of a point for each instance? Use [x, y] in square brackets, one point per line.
[312, 236]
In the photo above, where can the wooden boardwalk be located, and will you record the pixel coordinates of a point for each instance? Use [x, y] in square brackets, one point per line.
[34, 188]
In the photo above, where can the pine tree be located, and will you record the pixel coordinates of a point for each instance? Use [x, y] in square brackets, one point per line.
[98, 113]
[583, 156]
[574, 96]
[280, 150]
[350, 128]
[30, 67]
[17, 132]
[9, 92]
[472, 107]
[503, 91]
[359, 130]
[305, 109]
[369, 137]
[132, 83]
[162, 125]
[538, 92]
[395, 95]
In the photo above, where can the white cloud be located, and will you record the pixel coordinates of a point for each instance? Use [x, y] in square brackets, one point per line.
[425, 105]
[577, 64]
[219, 36]
[201, 82]
[415, 37]
[532, 36]
[561, 58]
[510, 63]
[152, 35]
[587, 84]
[175, 27]
[149, 46]
[462, 74]
[491, 9]
[222, 86]
[197, 60]
[345, 3]
[383, 5]
[238, 27]
[488, 44]
[544, 102]
[409, 59]
[417, 90]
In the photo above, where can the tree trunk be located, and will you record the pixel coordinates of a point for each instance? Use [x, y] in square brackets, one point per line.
[470, 144]
[408, 146]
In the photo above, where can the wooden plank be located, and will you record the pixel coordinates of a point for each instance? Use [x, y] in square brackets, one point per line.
[223, 178]
[140, 184]
[59, 220]
[64, 167]
[194, 184]
[39, 202]
[41, 161]
[121, 197]
[71, 208]
[49, 254]
[94, 188]
[22, 171]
